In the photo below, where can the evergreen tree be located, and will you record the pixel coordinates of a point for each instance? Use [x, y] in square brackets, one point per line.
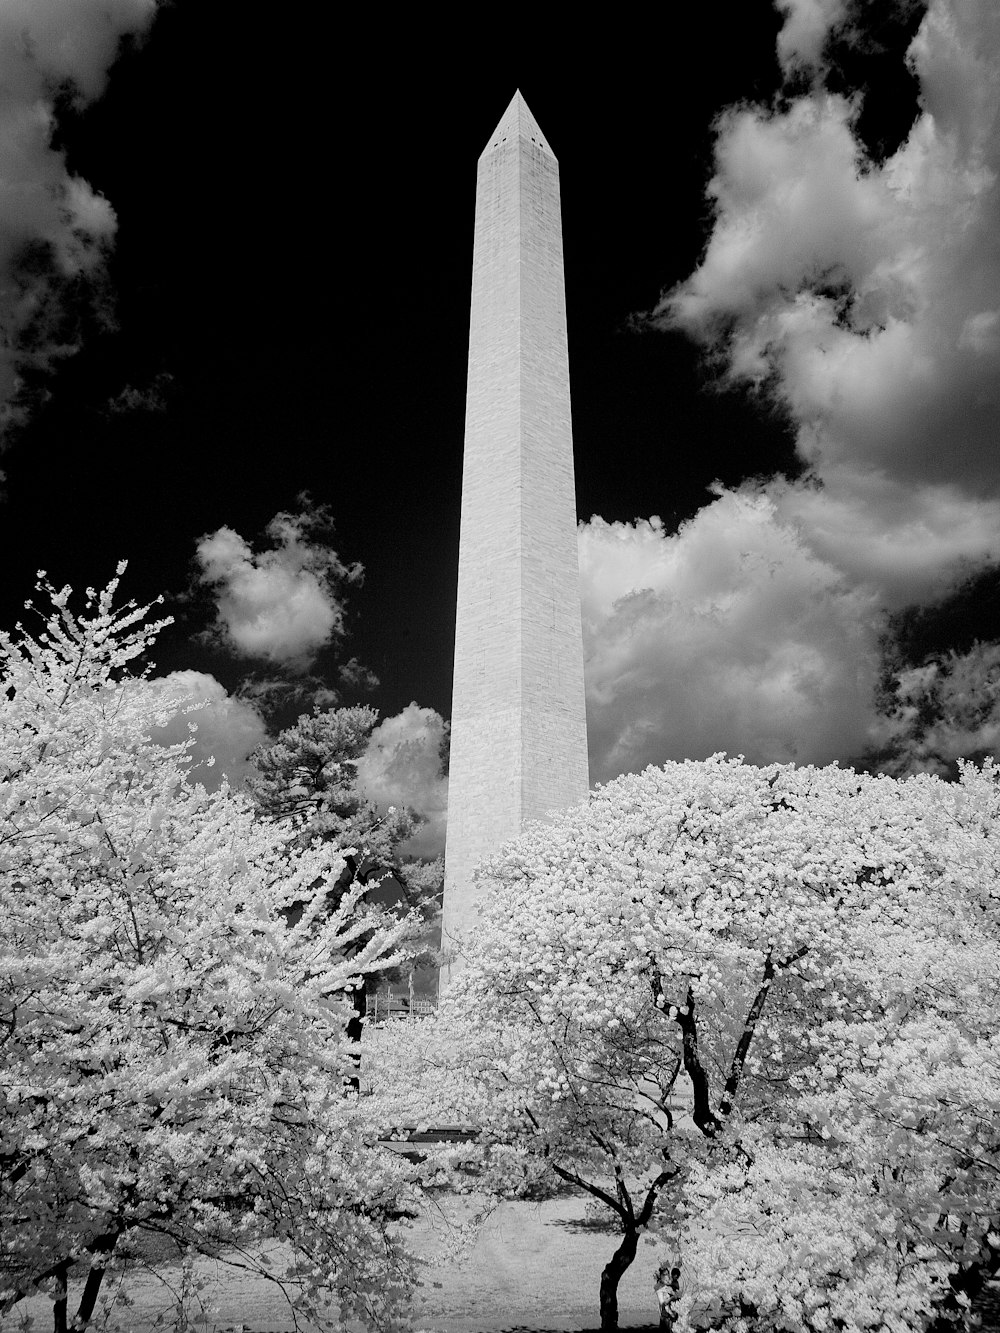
[308, 779]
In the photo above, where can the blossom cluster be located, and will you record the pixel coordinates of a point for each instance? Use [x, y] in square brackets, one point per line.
[174, 1052]
[756, 1010]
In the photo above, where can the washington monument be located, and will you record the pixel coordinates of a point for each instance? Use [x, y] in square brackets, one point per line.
[519, 727]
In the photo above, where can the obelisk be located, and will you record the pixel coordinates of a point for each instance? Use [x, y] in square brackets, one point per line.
[519, 727]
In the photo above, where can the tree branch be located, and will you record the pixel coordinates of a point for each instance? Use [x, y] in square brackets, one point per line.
[749, 1027]
[572, 1178]
[652, 1194]
[595, 1190]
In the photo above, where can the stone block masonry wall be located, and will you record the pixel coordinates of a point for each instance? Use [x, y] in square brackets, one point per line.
[519, 743]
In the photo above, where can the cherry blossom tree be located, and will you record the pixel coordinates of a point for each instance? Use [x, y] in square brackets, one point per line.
[717, 998]
[174, 1058]
[870, 1193]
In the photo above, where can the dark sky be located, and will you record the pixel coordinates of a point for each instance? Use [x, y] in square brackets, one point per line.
[295, 210]
[289, 286]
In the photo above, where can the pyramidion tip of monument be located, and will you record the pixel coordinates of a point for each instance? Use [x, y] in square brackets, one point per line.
[517, 122]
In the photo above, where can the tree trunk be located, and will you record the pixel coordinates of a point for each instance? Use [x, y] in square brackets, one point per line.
[611, 1276]
[59, 1307]
[355, 1027]
[89, 1298]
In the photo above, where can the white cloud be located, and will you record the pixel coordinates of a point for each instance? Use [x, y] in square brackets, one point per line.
[66, 43]
[730, 635]
[402, 767]
[906, 544]
[54, 227]
[807, 25]
[869, 296]
[228, 729]
[280, 605]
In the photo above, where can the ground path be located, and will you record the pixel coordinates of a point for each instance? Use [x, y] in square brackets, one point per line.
[534, 1266]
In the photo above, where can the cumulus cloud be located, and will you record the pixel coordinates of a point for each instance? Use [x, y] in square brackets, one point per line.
[227, 728]
[908, 544]
[728, 635]
[808, 24]
[403, 767]
[280, 605]
[866, 297]
[55, 229]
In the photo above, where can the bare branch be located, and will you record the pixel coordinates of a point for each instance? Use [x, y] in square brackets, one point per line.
[652, 1194]
[750, 1026]
[572, 1178]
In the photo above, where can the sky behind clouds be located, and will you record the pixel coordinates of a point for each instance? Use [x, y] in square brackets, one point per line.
[55, 229]
[236, 324]
[864, 296]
